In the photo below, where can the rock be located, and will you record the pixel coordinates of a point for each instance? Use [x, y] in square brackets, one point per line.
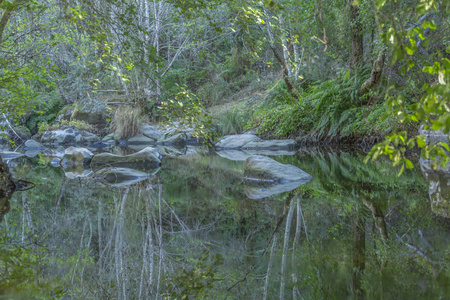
[439, 187]
[236, 141]
[111, 138]
[173, 135]
[264, 169]
[118, 177]
[10, 155]
[23, 132]
[151, 132]
[74, 156]
[87, 137]
[93, 112]
[433, 136]
[33, 145]
[250, 141]
[64, 135]
[146, 159]
[141, 139]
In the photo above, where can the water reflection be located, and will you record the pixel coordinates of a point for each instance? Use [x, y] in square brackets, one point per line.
[353, 231]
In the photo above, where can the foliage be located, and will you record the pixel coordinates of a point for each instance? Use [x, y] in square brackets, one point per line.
[232, 122]
[184, 105]
[432, 109]
[22, 270]
[46, 112]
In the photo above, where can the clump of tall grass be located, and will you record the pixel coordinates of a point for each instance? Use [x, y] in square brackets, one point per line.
[232, 122]
[127, 121]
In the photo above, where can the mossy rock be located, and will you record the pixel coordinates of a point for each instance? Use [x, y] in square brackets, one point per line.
[93, 112]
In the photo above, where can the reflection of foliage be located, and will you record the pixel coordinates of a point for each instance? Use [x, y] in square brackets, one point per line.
[23, 269]
[196, 280]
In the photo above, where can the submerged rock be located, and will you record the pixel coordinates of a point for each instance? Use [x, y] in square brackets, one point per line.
[255, 191]
[142, 160]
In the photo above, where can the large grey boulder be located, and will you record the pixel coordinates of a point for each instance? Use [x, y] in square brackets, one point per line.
[119, 177]
[76, 156]
[264, 169]
[236, 141]
[65, 136]
[439, 187]
[434, 136]
[143, 160]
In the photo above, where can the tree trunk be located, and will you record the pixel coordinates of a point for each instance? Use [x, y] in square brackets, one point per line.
[359, 255]
[356, 34]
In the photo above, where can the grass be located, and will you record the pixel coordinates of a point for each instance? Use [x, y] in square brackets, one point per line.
[127, 121]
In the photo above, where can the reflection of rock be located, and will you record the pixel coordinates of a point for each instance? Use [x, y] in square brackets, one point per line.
[119, 177]
[241, 155]
[265, 168]
[250, 141]
[439, 190]
[259, 192]
[142, 160]
[73, 172]
[10, 155]
[77, 156]
[33, 145]
[265, 177]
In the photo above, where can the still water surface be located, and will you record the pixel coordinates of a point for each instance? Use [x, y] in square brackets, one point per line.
[355, 231]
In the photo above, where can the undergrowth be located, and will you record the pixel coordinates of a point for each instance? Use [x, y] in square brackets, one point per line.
[80, 125]
[330, 108]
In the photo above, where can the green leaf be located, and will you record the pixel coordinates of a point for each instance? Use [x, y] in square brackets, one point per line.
[421, 141]
[409, 164]
[401, 170]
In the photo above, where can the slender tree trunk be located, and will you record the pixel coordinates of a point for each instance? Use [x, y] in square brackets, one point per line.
[356, 35]
[378, 64]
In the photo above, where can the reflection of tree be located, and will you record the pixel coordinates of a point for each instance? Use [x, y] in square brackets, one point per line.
[6, 188]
